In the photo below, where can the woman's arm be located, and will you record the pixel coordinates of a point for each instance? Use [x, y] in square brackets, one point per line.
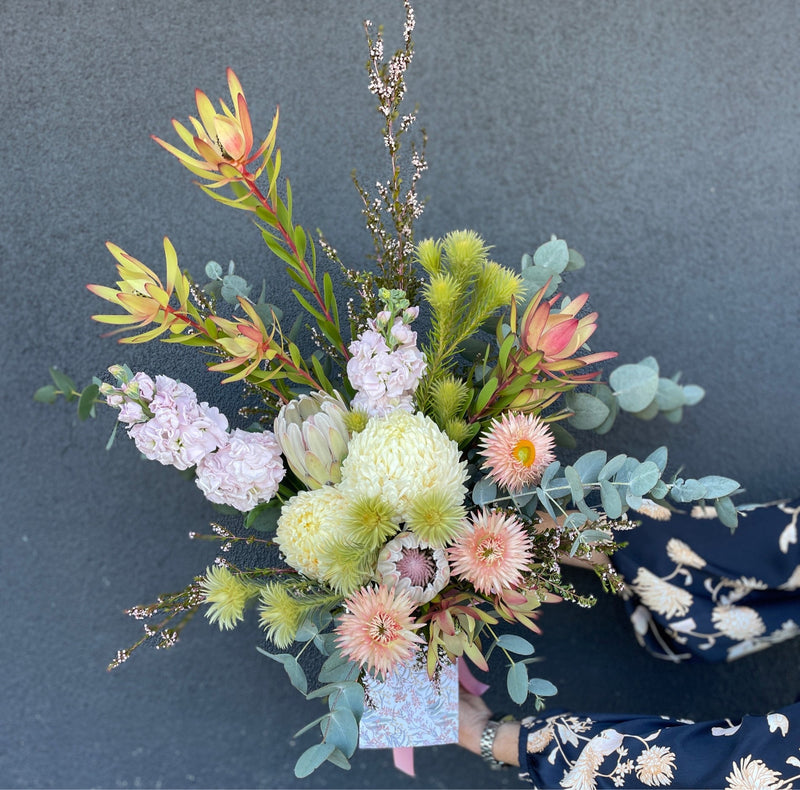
[473, 716]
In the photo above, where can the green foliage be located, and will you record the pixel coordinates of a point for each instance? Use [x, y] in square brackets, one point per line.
[549, 262]
[65, 387]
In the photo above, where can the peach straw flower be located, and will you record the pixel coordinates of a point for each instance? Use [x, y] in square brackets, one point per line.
[491, 552]
[378, 628]
[517, 449]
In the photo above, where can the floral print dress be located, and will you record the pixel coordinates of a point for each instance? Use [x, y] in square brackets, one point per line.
[694, 592]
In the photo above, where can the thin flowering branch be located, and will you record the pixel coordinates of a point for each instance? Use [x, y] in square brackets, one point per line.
[390, 213]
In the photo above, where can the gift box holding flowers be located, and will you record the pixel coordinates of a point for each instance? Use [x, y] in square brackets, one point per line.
[411, 474]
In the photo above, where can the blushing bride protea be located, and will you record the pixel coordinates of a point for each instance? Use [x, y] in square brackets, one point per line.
[409, 564]
[313, 435]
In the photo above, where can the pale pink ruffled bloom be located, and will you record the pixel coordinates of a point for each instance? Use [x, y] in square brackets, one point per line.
[385, 378]
[244, 472]
[517, 449]
[378, 628]
[181, 430]
[491, 552]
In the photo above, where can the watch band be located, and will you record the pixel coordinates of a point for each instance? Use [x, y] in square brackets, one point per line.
[487, 741]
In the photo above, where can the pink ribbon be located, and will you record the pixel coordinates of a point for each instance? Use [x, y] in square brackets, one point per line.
[404, 755]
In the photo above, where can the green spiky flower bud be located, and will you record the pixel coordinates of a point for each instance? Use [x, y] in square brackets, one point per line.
[429, 255]
[436, 517]
[227, 595]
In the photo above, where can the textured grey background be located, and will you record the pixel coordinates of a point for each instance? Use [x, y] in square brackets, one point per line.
[659, 138]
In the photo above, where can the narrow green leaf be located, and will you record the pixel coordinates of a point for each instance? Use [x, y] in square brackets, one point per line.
[87, 400]
[46, 394]
[541, 687]
[517, 682]
[659, 458]
[64, 383]
[485, 394]
[612, 467]
[312, 758]
[515, 644]
[726, 512]
[717, 486]
[339, 760]
[297, 677]
[575, 484]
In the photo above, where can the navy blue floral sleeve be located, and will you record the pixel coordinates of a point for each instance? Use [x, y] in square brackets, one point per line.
[694, 590]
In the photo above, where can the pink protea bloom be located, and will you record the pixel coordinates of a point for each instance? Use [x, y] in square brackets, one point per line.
[491, 552]
[378, 628]
[517, 449]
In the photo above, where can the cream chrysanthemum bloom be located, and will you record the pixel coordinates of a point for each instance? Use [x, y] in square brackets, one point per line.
[661, 596]
[400, 456]
[738, 622]
[309, 522]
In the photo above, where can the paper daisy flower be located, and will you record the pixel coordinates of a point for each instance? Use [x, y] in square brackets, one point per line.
[517, 449]
[378, 628]
[491, 552]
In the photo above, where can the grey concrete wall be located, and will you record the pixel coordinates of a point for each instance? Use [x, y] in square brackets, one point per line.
[658, 138]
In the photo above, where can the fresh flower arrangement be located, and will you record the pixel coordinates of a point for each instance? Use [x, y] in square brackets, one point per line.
[400, 494]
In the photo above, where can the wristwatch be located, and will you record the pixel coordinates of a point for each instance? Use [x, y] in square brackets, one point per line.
[487, 741]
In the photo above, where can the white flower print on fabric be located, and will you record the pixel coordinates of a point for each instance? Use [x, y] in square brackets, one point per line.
[789, 534]
[777, 721]
[738, 622]
[750, 774]
[793, 582]
[660, 596]
[680, 553]
[654, 766]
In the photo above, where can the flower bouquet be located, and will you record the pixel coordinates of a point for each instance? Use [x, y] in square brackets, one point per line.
[392, 497]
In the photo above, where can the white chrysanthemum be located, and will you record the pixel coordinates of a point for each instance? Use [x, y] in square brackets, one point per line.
[308, 523]
[738, 622]
[681, 554]
[661, 596]
[399, 456]
[752, 774]
[654, 766]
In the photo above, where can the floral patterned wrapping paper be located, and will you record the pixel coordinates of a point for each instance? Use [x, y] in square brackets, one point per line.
[409, 709]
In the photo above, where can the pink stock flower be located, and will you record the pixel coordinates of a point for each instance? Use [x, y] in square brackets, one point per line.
[517, 449]
[244, 472]
[378, 628]
[491, 552]
[385, 378]
[181, 431]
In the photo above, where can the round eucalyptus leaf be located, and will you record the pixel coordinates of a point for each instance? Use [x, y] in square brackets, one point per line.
[669, 395]
[312, 758]
[213, 270]
[484, 492]
[589, 412]
[552, 255]
[726, 512]
[634, 385]
[643, 478]
[576, 261]
[659, 458]
[234, 286]
[693, 394]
